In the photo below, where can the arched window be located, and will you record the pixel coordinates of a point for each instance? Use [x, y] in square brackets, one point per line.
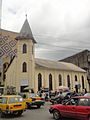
[75, 78]
[50, 82]
[39, 81]
[82, 82]
[24, 67]
[0, 74]
[68, 81]
[60, 80]
[76, 84]
[24, 48]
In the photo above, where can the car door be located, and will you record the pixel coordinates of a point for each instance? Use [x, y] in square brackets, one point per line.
[83, 108]
[3, 103]
[69, 109]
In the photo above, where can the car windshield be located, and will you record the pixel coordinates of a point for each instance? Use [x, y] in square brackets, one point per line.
[87, 94]
[15, 99]
[84, 102]
[33, 95]
[3, 100]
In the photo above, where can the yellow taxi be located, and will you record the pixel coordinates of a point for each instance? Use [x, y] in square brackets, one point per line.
[12, 104]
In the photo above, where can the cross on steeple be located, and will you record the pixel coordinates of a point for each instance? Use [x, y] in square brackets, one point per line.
[26, 16]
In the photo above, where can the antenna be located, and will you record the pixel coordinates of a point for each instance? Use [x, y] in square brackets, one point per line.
[0, 12]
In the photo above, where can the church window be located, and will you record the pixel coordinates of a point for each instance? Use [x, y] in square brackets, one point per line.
[4, 77]
[82, 82]
[75, 78]
[24, 48]
[24, 67]
[5, 65]
[68, 81]
[50, 82]
[39, 81]
[60, 80]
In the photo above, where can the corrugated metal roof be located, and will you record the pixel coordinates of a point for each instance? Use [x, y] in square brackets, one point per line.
[57, 65]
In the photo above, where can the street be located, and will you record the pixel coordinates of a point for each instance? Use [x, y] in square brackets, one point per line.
[34, 114]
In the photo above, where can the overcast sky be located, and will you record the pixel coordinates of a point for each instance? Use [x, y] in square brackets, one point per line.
[60, 27]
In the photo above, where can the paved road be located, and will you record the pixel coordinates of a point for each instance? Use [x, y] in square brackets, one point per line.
[34, 114]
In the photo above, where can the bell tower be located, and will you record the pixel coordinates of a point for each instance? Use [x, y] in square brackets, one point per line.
[25, 58]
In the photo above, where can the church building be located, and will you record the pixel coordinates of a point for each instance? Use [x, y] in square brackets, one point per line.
[21, 69]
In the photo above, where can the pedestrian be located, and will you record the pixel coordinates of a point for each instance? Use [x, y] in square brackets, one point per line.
[56, 92]
[46, 97]
[43, 95]
[50, 93]
[85, 90]
[32, 91]
[74, 94]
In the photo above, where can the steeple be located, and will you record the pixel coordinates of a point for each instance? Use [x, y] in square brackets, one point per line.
[25, 32]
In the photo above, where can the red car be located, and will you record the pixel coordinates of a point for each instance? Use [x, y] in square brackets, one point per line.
[76, 107]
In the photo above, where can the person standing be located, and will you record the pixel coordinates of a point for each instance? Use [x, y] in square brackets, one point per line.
[85, 90]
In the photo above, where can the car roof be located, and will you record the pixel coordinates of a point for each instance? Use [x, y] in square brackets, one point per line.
[81, 97]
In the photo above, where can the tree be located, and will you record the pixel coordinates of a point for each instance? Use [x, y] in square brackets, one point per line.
[10, 90]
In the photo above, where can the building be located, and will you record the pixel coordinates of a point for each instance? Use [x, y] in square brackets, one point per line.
[21, 69]
[81, 59]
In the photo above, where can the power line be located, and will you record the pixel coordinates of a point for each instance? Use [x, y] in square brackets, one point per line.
[60, 38]
[70, 48]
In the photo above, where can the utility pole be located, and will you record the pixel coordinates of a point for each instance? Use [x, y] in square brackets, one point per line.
[0, 12]
[1, 63]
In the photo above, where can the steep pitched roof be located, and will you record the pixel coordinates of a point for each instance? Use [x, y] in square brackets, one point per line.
[25, 32]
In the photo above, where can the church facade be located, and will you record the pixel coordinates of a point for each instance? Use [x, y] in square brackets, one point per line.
[24, 70]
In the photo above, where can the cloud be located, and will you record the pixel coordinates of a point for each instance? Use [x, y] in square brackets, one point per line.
[63, 25]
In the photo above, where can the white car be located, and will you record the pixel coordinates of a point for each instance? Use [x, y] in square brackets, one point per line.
[87, 94]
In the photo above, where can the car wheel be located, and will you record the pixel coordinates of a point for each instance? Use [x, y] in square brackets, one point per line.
[89, 117]
[56, 115]
[55, 102]
[1, 114]
[38, 106]
[20, 113]
[52, 103]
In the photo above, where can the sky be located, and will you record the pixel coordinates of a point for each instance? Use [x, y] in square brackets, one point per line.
[60, 27]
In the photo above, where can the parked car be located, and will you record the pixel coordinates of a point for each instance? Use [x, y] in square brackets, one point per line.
[76, 107]
[59, 98]
[34, 100]
[44, 91]
[12, 104]
[87, 94]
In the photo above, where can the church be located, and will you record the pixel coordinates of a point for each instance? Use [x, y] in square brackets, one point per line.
[21, 69]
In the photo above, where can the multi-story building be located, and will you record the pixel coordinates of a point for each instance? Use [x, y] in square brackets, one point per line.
[81, 59]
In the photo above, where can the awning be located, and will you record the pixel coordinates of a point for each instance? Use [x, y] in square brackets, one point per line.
[63, 88]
